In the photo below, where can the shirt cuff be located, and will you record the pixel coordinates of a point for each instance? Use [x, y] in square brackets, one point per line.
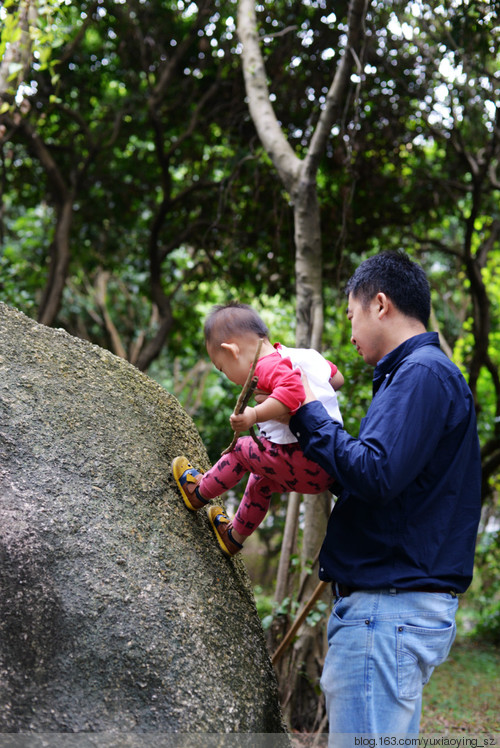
[304, 421]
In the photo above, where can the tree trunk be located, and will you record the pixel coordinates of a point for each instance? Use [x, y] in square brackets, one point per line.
[58, 264]
[308, 268]
[299, 178]
[283, 582]
[18, 50]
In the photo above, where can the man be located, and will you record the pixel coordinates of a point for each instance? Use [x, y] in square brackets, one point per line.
[400, 540]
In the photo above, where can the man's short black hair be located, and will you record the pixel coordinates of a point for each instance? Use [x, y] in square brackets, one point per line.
[403, 281]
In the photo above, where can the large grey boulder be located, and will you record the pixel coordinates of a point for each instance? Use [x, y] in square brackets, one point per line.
[117, 610]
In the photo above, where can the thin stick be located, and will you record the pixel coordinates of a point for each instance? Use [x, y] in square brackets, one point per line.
[245, 395]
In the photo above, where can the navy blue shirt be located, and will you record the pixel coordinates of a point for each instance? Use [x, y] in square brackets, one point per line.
[409, 503]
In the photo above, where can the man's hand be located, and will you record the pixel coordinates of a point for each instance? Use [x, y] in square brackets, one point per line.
[310, 396]
[260, 397]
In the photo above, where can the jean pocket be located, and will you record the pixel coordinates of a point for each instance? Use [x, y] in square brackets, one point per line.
[347, 613]
[419, 651]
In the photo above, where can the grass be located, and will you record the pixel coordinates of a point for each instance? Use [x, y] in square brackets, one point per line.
[463, 694]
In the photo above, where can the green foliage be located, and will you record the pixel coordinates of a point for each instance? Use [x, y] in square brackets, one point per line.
[264, 605]
[22, 259]
[482, 610]
[318, 613]
[270, 611]
[287, 607]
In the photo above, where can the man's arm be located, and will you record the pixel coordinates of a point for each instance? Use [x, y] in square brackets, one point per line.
[397, 438]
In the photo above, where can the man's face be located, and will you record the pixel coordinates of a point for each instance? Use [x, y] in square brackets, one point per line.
[366, 329]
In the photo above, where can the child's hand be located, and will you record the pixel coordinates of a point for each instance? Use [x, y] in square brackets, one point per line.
[243, 421]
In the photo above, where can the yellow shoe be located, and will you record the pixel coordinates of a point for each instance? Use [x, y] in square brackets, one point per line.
[184, 473]
[221, 525]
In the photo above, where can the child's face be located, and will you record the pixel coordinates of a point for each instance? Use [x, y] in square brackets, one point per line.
[232, 362]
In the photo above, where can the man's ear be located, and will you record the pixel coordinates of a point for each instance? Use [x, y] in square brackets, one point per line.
[233, 348]
[383, 304]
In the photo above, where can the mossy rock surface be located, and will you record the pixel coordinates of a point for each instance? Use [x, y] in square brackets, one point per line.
[117, 610]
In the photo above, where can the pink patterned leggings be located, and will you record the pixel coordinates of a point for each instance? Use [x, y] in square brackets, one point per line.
[281, 468]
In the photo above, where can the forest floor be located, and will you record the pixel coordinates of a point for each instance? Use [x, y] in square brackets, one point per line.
[463, 694]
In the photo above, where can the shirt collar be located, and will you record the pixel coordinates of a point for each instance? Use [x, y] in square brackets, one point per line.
[391, 360]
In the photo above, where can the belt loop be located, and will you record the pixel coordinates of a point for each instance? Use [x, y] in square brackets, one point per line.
[393, 591]
[336, 589]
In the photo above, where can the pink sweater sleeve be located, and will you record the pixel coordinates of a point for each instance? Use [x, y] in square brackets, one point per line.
[277, 377]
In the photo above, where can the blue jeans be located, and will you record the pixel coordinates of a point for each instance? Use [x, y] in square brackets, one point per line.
[383, 647]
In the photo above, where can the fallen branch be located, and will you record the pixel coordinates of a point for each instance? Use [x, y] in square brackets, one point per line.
[242, 402]
[298, 622]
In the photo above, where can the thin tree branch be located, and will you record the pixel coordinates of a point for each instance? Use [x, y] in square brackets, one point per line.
[244, 397]
[263, 115]
[338, 88]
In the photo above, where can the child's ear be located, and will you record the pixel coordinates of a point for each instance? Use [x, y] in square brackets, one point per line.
[233, 348]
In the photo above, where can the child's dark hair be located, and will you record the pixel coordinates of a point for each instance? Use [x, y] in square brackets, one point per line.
[226, 320]
[403, 281]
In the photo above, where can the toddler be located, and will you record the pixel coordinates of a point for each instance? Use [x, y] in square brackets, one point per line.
[232, 333]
